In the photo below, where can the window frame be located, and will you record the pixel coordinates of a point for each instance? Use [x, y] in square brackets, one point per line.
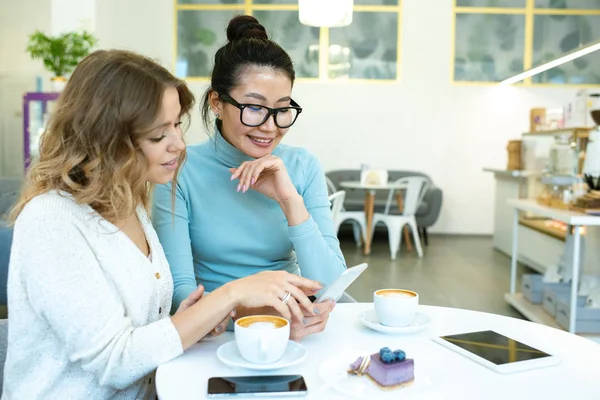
[248, 7]
[530, 11]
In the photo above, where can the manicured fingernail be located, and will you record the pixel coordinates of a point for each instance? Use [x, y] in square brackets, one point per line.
[231, 178]
[233, 313]
[245, 188]
[239, 187]
[219, 328]
[253, 181]
[305, 321]
[316, 311]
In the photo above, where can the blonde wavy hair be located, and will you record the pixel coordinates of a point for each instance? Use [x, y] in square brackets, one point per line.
[90, 147]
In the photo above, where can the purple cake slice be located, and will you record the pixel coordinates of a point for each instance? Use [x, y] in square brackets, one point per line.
[386, 370]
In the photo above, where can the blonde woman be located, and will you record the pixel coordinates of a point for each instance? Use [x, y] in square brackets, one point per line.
[89, 285]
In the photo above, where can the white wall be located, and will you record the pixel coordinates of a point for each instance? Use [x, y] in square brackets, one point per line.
[423, 123]
[72, 15]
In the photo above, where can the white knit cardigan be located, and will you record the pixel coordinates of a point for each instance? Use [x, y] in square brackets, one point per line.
[88, 311]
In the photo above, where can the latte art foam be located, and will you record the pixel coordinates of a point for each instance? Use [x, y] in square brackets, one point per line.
[395, 293]
[261, 322]
[262, 325]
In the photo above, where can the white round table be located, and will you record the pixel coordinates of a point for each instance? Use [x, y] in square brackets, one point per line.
[577, 377]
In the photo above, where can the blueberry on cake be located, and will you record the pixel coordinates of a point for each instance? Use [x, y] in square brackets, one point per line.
[388, 369]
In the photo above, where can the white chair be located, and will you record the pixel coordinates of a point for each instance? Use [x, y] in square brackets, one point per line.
[395, 220]
[359, 223]
[337, 203]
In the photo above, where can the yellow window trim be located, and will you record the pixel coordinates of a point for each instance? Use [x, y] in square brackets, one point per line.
[530, 11]
[248, 7]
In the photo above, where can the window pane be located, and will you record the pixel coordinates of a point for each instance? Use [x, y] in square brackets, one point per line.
[555, 35]
[366, 49]
[300, 41]
[199, 35]
[376, 2]
[489, 47]
[568, 4]
[275, 2]
[356, 2]
[491, 3]
[210, 1]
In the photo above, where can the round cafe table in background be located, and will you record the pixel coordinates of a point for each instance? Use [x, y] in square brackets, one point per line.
[370, 207]
[455, 376]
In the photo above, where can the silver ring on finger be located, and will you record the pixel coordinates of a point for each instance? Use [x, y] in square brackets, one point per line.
[286, 297]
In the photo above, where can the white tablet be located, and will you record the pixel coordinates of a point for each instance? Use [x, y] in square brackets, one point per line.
[337, 288]
[498, 352]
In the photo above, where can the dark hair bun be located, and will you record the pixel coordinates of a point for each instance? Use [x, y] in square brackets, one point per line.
[245, 27]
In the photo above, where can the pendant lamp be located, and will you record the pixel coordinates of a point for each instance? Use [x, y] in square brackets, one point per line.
[325, 13]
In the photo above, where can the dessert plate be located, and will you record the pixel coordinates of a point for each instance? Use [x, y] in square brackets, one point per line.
[334, 369]
[369, 319]
[229, 354]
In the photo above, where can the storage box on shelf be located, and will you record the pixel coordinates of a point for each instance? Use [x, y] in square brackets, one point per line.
[552, 294]
[533, 287]
[586, 321]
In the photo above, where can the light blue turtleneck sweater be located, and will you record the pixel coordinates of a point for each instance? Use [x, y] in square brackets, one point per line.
[218, 234]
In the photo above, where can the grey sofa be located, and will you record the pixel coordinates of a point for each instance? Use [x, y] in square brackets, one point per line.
[428, 211]
[9, 190]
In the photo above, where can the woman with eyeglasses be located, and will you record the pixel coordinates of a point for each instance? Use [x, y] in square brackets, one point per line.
[246, 203]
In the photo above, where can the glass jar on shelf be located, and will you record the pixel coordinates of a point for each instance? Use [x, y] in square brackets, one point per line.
[563, 156]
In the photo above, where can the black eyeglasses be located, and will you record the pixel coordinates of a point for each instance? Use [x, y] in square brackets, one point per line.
[255, 115]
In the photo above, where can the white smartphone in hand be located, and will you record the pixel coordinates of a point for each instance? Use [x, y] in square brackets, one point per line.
[337, 288]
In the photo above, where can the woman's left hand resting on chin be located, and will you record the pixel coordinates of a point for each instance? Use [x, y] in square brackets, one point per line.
[268, 176]
[193, 299]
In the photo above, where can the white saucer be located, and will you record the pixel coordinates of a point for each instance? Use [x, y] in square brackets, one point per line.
[428, 378]
[370, 320]
[230, 355]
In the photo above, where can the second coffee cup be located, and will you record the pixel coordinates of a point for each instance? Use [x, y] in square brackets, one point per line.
[262, 339]
[396, 307]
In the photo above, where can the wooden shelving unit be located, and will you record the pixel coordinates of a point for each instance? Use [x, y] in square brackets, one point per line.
[541, 225]
[579, 132]
[572, 218]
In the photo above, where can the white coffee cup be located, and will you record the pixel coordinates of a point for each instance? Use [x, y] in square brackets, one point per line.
[396, 307]
[262, 339]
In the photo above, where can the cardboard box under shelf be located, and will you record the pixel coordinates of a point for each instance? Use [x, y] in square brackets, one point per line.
[552, 294]
[588, 319]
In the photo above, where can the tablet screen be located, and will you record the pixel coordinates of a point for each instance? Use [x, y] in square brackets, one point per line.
[494, 347]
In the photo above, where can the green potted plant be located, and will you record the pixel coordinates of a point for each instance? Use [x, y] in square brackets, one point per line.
[61, 53]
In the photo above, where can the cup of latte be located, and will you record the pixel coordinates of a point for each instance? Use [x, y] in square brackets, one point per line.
[396, 307]
[262, 339]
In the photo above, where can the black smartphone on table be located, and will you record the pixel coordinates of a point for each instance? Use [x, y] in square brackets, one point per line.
[257, 386]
